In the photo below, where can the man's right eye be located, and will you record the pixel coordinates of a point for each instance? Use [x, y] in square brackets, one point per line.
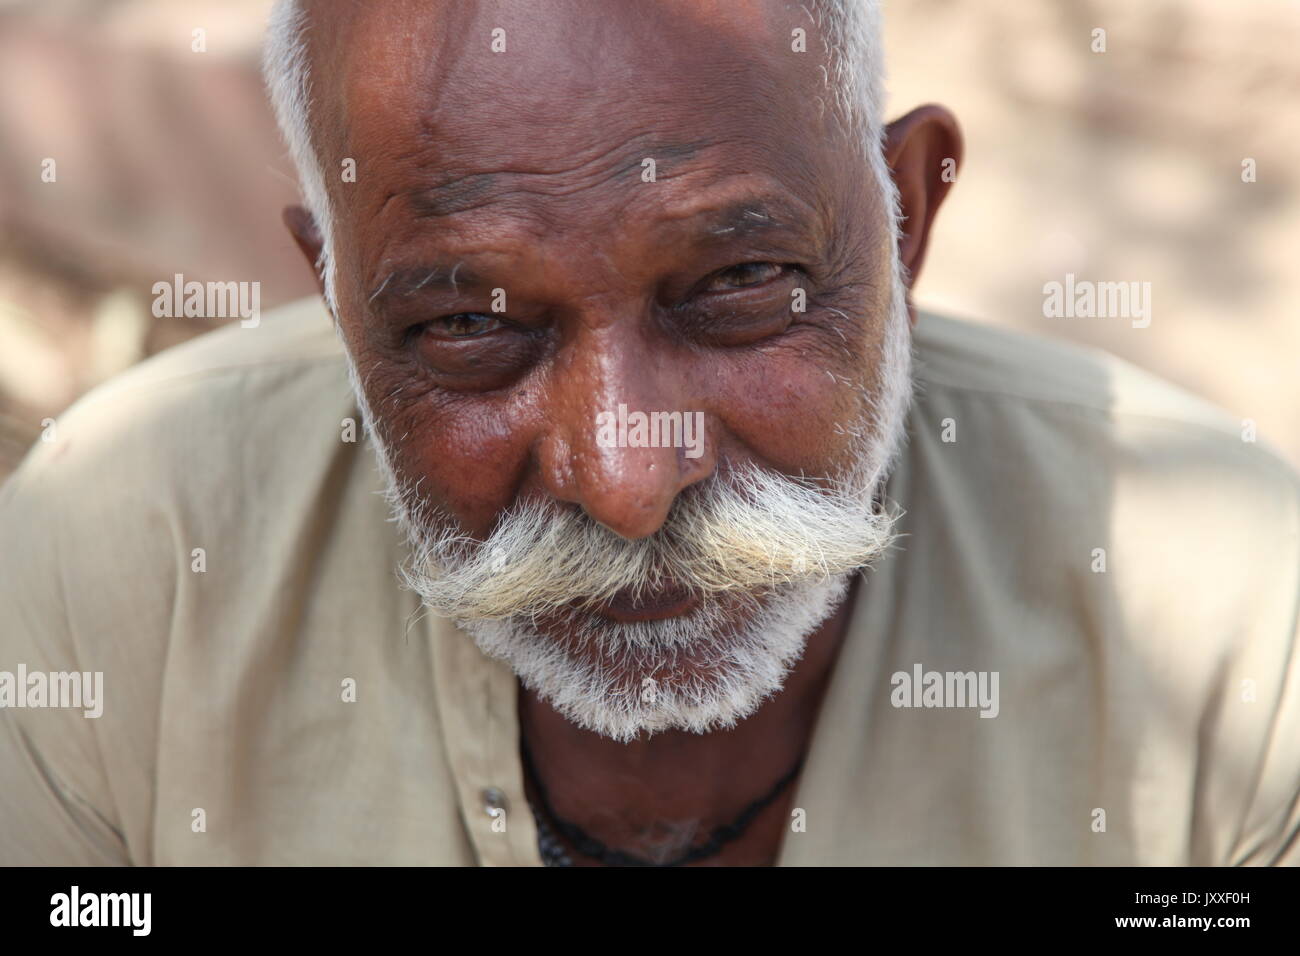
[463, 325]
[473, 351]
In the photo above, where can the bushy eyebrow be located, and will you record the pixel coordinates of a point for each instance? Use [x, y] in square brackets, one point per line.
[436, 276]
[761, 216]
[741, 220]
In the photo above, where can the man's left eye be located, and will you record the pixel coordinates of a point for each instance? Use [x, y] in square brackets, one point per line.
[743, 276]
[463, 325]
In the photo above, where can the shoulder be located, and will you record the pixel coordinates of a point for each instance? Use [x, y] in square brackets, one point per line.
[1095, 490]
[1076, 443]
[205, 429]
[975, 358]
[1110, 519]
[1093, 411]
[181, 414]
[293, 339]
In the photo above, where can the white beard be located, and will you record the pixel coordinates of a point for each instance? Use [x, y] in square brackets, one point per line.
[615, 691]
[612, 677]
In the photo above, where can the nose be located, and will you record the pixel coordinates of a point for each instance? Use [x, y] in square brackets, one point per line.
[623, 441]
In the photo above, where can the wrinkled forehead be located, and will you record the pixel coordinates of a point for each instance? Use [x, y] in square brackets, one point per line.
[462, 91]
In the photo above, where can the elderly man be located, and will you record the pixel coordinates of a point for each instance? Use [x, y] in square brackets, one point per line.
[712, 551]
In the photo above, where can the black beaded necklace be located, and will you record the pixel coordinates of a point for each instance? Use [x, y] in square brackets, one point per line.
[553, 853]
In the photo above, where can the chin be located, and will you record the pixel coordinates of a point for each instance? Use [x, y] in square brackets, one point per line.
[704, 668]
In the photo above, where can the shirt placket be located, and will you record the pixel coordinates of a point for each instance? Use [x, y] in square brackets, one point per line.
[478, 705]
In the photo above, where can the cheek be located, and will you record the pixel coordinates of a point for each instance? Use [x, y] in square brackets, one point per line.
[784, 412]
[465, 451]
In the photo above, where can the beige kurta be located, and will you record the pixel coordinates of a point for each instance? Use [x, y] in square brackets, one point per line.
[1148, 713]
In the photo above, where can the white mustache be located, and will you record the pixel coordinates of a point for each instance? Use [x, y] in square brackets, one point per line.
[749, 531]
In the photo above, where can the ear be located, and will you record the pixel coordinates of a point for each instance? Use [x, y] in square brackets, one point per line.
[302, 226]
[923, 150]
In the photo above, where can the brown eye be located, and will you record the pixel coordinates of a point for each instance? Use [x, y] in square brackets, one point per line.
[463, 325]
[743, 276]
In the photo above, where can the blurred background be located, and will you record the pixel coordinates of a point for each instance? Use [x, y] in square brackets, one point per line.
[1117, 166]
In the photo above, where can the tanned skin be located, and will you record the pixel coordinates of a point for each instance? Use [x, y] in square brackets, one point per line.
[522, 170]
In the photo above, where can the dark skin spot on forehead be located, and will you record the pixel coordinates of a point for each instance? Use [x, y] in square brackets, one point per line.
[456, 195]
[464, 192]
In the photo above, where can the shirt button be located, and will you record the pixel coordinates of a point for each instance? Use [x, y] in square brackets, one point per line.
[494, 801]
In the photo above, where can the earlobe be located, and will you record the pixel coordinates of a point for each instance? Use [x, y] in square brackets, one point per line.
[924, 151]
[302, 226]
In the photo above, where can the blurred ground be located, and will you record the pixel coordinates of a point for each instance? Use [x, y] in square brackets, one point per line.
[1115, 166]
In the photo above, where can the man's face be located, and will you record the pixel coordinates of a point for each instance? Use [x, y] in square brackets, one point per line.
[510, 267]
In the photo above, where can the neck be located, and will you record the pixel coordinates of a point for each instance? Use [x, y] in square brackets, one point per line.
[656, 796]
